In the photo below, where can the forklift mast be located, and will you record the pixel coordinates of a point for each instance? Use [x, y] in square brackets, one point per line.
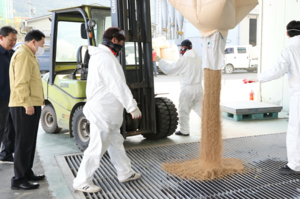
[134, 17]
[76, 28]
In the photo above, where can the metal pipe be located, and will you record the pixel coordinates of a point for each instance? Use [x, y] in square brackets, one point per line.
[164, 12]
[259, 69]
[172, 19]
[179, 21]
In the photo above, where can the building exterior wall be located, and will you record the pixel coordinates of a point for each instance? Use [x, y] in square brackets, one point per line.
[43, 24]
[233, 37]
[276, 14]
[10, 9]
[6, 9]
[244, 32]
[193, 34]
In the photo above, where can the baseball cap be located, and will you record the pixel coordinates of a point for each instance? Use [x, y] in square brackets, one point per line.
[186, 43]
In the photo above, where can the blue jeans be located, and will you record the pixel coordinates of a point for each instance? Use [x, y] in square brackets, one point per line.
[155, 68]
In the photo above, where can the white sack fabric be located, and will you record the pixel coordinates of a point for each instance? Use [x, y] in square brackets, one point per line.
[213, 51]
[211, 15]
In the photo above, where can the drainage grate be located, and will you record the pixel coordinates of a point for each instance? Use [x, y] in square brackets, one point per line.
[264, 154]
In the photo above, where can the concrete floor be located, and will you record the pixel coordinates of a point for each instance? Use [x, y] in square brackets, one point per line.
[7, 172]
[49, 146]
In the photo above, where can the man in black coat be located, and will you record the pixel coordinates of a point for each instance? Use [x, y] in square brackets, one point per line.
[8, 39]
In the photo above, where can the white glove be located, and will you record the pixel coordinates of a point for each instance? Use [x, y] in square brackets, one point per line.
[136, 114]
[157, 58]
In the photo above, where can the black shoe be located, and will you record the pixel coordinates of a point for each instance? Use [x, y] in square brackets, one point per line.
[179, 133]
[6, 160]
[285, 170]
[34, 177]
[26, 185]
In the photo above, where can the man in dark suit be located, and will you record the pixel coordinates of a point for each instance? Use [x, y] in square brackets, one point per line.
[8, 38]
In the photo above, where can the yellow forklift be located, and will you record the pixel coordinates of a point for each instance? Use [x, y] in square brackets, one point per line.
[73, 30]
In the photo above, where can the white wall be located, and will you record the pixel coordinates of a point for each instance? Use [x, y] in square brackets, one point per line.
[193, 34]
[276, 14]
[244, 26]
[233, 37]
[43, 25]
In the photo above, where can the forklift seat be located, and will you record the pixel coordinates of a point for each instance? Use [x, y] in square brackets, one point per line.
[83, 56]
[83, 59]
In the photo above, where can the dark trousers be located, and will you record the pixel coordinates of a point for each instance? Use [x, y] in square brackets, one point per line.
[26, 128]
[7, 132]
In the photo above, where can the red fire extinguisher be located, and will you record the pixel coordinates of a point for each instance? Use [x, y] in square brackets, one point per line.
[251, 95]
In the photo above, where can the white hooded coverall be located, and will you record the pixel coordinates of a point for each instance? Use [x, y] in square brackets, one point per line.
[289, 62]
[189, 68]
[107, 95]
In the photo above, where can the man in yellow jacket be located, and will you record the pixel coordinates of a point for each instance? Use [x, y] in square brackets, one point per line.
[26, 99]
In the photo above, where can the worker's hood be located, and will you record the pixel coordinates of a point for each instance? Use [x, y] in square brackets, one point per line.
[295, 40]
[191, 53]
[100, 49]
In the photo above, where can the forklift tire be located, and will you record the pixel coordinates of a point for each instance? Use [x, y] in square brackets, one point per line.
[48, 120]
[166, 119]
[80, 128]
[173, 116]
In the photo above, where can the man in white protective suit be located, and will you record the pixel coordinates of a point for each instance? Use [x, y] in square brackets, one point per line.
[189, 68]
[107, 96]
[289, 63]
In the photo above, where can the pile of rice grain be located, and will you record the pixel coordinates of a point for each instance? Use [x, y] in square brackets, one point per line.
[210, 165]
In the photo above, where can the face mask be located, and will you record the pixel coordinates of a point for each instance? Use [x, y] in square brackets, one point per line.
[39, 51]
[115, 47]
[183, 50]
[293, 30]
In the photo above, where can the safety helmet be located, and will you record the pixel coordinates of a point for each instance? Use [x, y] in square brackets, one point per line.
[186, 45]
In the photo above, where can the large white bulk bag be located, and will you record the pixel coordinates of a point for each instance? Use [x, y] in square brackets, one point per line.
[211, 15]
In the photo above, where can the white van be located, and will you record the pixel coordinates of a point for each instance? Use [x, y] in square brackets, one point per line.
[240, 58]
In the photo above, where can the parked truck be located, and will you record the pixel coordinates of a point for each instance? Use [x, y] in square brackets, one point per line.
[240, 58]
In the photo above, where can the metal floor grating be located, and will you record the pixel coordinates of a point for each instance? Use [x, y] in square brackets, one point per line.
[264, 154]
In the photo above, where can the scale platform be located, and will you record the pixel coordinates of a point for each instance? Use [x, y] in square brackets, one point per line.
[249, 110]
